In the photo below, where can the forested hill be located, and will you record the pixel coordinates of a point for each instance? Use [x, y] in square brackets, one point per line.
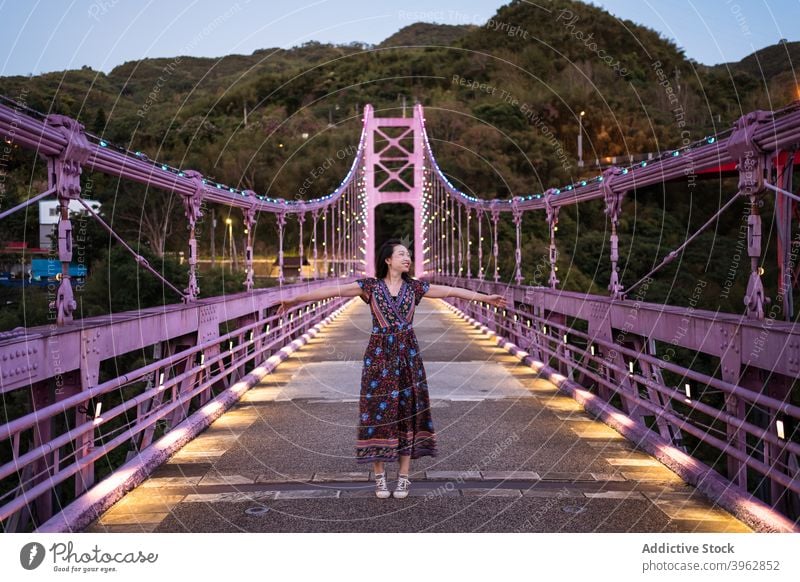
[502, 101]
[557, 57]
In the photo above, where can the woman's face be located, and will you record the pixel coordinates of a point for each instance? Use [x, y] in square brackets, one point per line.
[400, 259]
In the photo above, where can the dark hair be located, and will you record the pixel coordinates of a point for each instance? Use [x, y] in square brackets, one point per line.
[385, 252]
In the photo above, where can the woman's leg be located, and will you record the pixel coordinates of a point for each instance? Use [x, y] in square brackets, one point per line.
[405, 465]
[403, 482]
[381, 490]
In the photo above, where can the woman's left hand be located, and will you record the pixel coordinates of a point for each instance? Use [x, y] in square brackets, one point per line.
[496, 300]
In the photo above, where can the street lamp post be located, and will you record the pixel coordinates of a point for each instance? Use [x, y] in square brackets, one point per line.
[580, 139]
[213, 234]
[234, 264]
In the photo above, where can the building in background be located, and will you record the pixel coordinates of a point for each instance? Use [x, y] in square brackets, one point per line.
[48, 217]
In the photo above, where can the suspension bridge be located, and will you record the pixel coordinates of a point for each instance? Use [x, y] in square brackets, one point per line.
[564, 411]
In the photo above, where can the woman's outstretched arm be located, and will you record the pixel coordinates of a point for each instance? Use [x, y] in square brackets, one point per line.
[326, 292]
[442, 291]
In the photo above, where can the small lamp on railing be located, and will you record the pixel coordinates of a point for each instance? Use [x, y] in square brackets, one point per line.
[779, 429]
[687, 388]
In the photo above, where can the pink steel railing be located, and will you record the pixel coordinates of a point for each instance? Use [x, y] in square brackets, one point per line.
[202, 353]
[631, 376]
[195, 363]
[735, 432]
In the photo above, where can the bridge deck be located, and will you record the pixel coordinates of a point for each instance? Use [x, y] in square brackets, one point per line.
[282, 458]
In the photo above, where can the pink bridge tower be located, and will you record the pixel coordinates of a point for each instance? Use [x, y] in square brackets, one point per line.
[394, 163]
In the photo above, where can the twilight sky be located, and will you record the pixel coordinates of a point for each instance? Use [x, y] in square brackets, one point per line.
[51, 35]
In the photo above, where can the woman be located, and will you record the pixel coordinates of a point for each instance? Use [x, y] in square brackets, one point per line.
[394, 412]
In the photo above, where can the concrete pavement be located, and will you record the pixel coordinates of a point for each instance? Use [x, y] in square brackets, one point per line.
[514, 454]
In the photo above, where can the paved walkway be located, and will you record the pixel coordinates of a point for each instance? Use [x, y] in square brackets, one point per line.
[514, 455]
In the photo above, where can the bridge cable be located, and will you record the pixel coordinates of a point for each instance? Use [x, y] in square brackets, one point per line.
[671, 256]
[139, 258]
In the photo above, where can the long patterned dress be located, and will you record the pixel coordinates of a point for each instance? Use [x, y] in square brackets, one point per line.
[394, 409]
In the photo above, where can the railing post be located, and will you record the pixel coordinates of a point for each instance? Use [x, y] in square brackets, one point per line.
[731, 371]
[91, 342]
[192, 209]
[64, 174]
[42, 395]
[552, 221]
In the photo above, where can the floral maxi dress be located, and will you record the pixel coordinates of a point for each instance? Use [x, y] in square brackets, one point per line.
[394, 409]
